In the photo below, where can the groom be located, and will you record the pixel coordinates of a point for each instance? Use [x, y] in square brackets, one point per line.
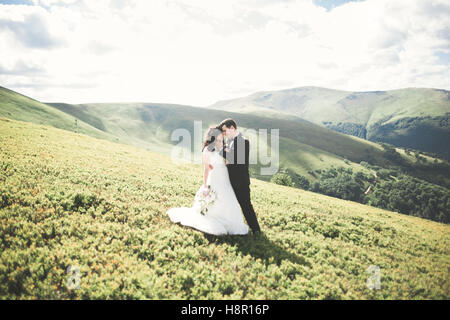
[237, 156]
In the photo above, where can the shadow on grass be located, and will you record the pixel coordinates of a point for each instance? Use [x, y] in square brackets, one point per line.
[258, 246]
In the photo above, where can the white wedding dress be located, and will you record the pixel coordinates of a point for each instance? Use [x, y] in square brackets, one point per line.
[224, 216]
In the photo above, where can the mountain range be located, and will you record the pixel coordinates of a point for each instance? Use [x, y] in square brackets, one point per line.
[305, 146]
[415, 118]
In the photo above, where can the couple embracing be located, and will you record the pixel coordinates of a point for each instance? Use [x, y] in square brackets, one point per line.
[226, 186]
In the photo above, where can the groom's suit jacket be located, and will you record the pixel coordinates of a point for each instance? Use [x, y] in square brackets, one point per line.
[238, 160]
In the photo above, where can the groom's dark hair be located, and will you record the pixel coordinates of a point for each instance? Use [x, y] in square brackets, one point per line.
[227, 123]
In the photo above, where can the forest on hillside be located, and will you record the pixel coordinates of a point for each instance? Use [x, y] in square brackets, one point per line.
[387, 188]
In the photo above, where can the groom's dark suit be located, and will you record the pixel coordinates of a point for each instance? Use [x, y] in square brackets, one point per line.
[238, 160]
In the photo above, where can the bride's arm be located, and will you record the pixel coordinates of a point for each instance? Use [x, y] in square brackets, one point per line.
[206, 167]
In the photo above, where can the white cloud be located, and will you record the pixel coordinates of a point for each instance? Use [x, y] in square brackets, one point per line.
[200, 51]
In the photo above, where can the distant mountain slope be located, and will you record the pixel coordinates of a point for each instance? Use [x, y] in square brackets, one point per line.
[304, 146]
[416, 118]
[16, 106]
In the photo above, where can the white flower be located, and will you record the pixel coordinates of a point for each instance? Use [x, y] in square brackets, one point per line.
[204, 202]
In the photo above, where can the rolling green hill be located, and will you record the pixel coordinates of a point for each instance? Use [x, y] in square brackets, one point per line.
[67, 199]
[304, 146]
[16, 106]
[416, 118]
[308, 153]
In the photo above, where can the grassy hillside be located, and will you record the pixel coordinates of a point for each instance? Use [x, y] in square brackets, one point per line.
[68, 199]
[415, 118]
[302, 143]
[304, 146]
[307, 152]
[15, 106]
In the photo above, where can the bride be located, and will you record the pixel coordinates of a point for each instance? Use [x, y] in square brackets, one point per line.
[224, 215]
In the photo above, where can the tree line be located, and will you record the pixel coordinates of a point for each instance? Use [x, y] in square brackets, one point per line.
[389, 189]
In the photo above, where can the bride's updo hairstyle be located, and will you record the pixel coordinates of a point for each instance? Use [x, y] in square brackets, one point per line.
[210, 137]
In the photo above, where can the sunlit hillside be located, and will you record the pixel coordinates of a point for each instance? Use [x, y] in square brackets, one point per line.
[308, 153]
[70, 200]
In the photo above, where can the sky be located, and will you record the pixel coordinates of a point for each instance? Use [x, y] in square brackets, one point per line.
[197, 52]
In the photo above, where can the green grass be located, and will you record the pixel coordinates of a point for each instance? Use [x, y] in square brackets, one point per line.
[19, 107]
[68, 199]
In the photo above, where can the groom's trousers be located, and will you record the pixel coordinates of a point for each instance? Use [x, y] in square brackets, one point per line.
[243, 196]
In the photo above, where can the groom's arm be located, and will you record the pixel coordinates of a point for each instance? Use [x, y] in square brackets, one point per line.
[247, 152]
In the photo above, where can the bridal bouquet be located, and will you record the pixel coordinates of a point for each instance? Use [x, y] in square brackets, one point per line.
[204, 202]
